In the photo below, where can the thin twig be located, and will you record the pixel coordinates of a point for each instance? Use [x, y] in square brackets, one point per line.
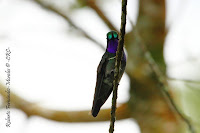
[71, 23]
[184, 80]
[32, 109]
[117, 65]
[94, 6]
[163, 83]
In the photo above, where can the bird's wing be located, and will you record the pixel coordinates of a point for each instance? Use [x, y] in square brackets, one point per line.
[100, 76]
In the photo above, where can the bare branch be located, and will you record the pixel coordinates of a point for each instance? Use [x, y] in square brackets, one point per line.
[162, 81]
[31, 109]
[94, 6]
[119, 54]
[184, 80]
[67, 18]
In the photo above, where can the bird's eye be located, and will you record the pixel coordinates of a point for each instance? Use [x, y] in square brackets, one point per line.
[109, 36]
[115, 35]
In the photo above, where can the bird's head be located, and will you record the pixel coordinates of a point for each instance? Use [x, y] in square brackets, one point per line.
[112, 41]
[112, 35]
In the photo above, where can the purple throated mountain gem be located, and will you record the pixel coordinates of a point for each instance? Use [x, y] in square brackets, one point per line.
[105, 72]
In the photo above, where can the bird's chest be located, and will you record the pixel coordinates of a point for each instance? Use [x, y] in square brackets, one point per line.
[110, 67]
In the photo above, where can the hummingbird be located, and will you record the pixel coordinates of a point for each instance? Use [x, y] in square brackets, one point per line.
[105, 72]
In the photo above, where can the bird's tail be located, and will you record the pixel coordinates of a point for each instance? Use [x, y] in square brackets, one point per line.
[96, 108]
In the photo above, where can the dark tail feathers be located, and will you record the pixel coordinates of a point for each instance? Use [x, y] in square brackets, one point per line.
[96, 108]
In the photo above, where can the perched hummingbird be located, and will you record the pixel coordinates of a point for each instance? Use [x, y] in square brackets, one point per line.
[105, 72]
